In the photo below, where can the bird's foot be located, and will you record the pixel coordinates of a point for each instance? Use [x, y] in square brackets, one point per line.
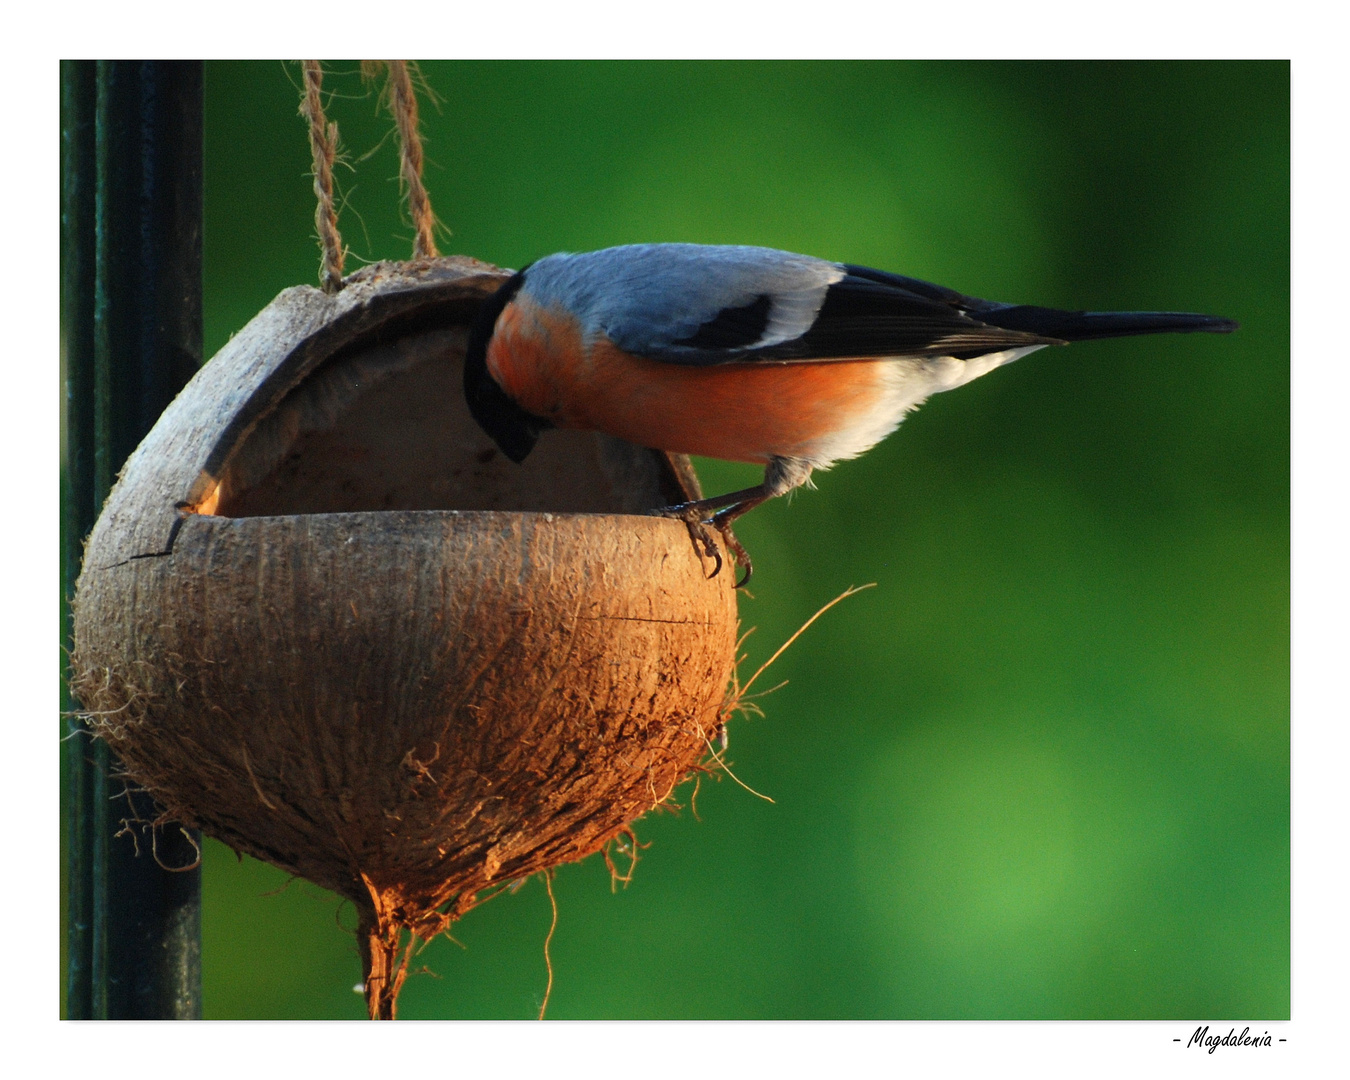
[696, 520]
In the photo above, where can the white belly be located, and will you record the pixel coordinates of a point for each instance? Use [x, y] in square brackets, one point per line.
[909, 382]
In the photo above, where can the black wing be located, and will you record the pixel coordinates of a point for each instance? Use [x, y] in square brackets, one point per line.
[870, 313]
[865, 314]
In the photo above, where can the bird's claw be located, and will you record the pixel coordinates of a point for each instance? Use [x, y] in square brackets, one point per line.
[699, 534]
[737, 549]
[704, 544]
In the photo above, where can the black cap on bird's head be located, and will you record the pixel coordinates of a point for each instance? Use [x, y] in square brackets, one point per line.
[512, 428]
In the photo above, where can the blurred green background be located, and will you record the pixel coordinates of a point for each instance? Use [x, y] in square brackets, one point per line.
[1042, 770]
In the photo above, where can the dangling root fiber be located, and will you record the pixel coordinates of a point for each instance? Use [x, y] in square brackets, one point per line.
[548, 961]
[740, 700]
[384, 960]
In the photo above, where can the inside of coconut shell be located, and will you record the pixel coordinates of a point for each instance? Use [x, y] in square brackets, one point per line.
[385, 427]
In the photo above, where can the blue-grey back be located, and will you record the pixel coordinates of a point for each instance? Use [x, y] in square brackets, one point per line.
[644, 297]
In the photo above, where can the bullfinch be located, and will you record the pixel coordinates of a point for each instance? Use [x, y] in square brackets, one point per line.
[745, 354]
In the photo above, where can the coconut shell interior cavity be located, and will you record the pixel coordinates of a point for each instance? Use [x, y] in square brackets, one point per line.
[322, 618]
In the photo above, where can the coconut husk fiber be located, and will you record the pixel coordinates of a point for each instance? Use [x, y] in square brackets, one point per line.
[322, 619]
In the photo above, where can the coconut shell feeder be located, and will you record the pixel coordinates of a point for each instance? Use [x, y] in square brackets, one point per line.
[322, 619]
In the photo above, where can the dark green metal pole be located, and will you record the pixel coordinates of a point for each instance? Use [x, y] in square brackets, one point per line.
[131, 213]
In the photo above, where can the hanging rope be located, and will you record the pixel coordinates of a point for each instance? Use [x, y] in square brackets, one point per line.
[323, 137]
[401, 99]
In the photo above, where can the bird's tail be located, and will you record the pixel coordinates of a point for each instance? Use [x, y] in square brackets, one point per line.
[1089, 325]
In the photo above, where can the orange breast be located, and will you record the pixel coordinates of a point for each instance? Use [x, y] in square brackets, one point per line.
[737, 412]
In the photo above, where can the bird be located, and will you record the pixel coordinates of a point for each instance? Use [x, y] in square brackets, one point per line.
[746, 354]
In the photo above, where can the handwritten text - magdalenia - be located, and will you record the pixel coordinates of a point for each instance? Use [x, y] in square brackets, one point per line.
[1202, 1037]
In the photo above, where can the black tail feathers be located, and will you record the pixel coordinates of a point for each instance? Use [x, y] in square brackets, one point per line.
[1090, 325]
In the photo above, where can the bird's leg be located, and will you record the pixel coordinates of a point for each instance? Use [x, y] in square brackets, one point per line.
[781, 475]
